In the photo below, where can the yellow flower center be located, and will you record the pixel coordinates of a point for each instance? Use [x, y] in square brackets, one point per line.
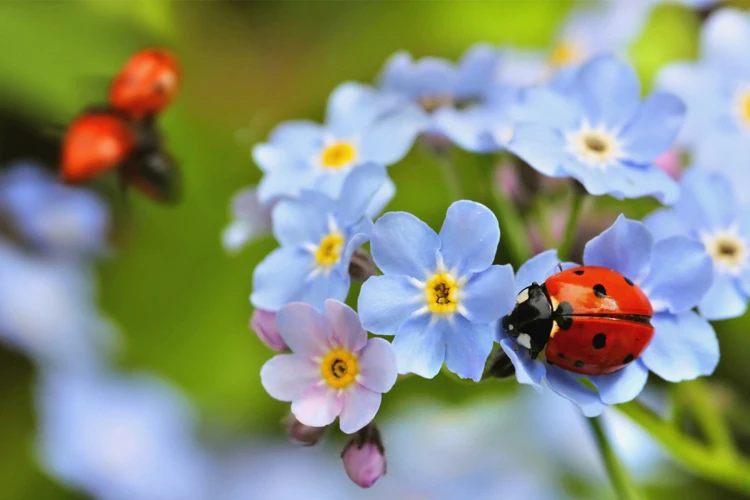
[593, 146]
[744, 107]
[329, 250]
[727, 250]
[339, 368]
[565, 53]
[442, 294]
[338, 155]
[431, 102]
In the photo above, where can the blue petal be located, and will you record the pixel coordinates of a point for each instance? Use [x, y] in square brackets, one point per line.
[358, 235]
[381, 199]
[300, 137]
[279, 278]
[318, 289]
[419, 347]
[567, 385]
[386, 302]
[358, 190]
[403, 244]
[744, 280]
[388, 139]
[468, 128]
[303, 220]
[684, 347]
[665, 223]
[726, 151]
[489, 295]
[609, 91]
[352, 107]
[724, 299]
[725, 38]
[654, 128]
[528, 371]
[537, 269]
[625, 247]
[469, 237]
[541, 146]
[548, 107]
[467, 346]
[706, 201]
[681, 274]
[476, 70]
[396, 75]
[287, 181]
[623, 385]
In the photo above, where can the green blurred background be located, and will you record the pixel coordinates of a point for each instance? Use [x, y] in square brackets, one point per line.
[180, 300]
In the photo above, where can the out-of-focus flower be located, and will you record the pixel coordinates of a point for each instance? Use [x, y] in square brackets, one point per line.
[716, 90]
[599, 133]
[439, 294]
[670, 163]
[707, 211]
[120, 438]
[334, 371]
[250, 219]
[362, 125]
[51, 216]
[364, 457]
[674, 273]
[305, 435]
[318, 237]
[263, 323]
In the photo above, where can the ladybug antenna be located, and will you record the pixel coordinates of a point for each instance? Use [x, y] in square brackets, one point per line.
[559, 266]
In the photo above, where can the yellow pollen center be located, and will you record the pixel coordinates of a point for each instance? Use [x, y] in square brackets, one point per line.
[727, 250]
[442, 294]
[329, 250]
[596, 143]
[338, 155]
[565, 53]
[744, 110]
[431, 102]
[339, 368]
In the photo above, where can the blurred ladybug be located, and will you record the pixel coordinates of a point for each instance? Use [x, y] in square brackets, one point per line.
[588, 320]
[146, 84]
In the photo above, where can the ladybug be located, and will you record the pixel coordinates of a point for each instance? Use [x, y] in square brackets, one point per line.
[589, 320]
[146, 84]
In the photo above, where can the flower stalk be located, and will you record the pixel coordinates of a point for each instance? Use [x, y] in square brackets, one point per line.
[618, 476]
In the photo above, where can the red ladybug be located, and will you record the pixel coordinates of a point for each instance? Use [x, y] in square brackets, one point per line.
[589, 320]
[146, 84]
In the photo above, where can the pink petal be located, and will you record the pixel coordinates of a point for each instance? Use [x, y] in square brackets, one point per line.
[263, 323]
[318, 405]
[377, 366]
[287, 376]
[304, 329]
[360, 405]
[347, 331]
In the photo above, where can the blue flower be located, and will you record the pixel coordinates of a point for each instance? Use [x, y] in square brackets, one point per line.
[716, 90]
[250, 219]
[674, 273]
[120, 438]
[318, 237]
[362, 125]
[598, 132]
[439, 294]
[50, 216]
[707, 211]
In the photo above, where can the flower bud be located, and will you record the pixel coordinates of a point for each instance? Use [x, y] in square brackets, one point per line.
[670, 163]
[263, 323]
[364, 457]
[304, 435]
[361, 267]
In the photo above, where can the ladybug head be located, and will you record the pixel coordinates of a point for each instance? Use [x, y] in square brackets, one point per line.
[530, 322]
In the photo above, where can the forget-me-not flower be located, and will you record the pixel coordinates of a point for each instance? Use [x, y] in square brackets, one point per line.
[439, 294]
[333, 371]
[674, 273]
[250, 219]
[318, 236]
[708, 212]
[598, 132]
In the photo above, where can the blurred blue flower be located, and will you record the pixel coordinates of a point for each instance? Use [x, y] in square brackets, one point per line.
[51, 216]
[120, 438]
[318, 237]
[716, 89]
[362, 125]
[707, 211]
[439, 294]
[598, 132]
[674, 273]
[250, 219]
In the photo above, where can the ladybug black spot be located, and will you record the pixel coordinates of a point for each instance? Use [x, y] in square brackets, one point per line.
[600, 340]
[579, 272]
[628, 359]
[627, 280]
[578, 364]
[549, 362]
[600, 291]
[560, 355]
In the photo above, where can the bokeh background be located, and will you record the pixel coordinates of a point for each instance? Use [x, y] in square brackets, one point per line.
[178, 298]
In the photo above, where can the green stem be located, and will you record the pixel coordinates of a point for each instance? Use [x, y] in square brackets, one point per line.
[577, 197]
[618, 476]
[712, 422]
[730, 471]
[448, 170]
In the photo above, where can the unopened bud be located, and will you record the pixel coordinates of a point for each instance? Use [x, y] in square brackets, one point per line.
[263, 323]
[302, 434]
[361, 267]
[670, 163]
[364, 457]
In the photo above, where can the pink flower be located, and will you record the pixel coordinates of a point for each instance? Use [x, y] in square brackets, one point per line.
[670, 163]
[302, 434]
[364, 457]
[334, 371]
[263, 323]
